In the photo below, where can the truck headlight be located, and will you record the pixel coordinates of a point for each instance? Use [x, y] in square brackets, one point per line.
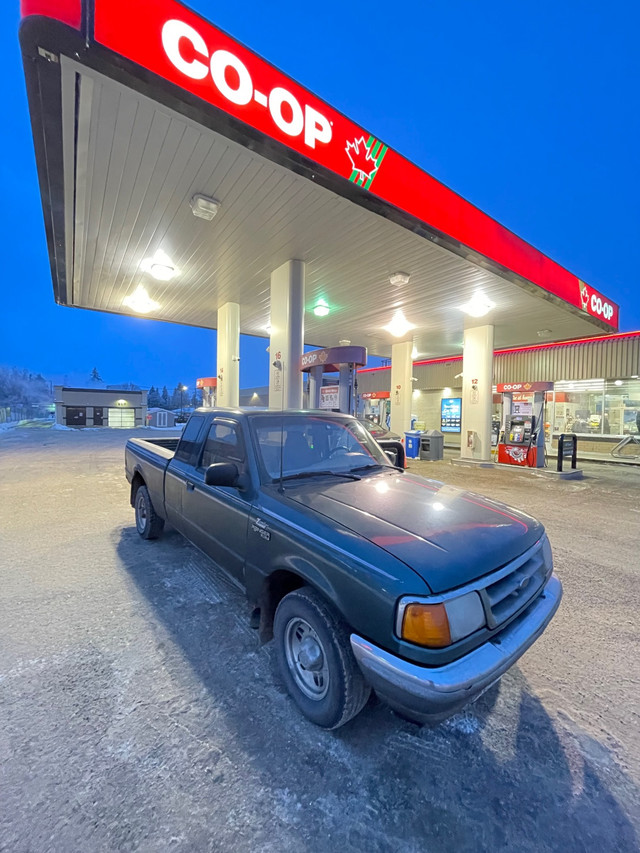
[440, 624]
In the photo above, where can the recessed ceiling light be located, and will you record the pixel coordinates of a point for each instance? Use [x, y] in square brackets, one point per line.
[399, 325]
[140, 301]
[478, 305]
[204, 207]
[321, 309]
[160, 266]
[542, 333]
[399, 278]
[618, 382]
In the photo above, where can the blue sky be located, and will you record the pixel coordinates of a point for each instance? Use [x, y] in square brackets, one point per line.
[530, 111]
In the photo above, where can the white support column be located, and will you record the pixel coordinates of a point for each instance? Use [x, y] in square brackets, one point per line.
[315, 383]
[401, 386]
[287, 336]
[477, 394]
[228, 389]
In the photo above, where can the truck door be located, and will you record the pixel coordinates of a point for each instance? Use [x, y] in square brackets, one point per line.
[216, 517]
[180, 469]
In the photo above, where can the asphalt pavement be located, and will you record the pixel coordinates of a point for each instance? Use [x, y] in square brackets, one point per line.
[138, 711]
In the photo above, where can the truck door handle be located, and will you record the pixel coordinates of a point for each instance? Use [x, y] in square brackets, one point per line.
[190, 486]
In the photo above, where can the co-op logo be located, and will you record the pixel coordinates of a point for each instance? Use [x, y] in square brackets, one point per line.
[600, 307]
[309, 359]
[232, 79]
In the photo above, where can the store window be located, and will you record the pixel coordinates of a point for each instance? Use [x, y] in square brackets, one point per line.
[597, 406]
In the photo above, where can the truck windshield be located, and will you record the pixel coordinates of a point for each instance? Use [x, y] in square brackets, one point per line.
[314, 443]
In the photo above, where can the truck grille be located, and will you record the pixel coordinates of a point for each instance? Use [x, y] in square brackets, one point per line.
[511, 592]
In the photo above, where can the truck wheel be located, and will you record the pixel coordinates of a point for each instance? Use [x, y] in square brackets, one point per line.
[315, 660]
[148, 524]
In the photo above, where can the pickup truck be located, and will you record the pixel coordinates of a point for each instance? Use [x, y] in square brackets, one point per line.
[365, 575]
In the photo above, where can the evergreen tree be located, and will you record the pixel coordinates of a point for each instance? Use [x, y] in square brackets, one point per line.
[95, 376]
[165, 397]
[154, 400]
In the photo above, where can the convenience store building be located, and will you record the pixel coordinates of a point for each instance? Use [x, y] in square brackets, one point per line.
[596, 389]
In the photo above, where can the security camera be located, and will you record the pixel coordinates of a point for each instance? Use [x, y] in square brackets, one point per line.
[458, 375]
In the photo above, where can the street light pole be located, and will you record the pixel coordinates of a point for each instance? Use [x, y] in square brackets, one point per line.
[183, 388]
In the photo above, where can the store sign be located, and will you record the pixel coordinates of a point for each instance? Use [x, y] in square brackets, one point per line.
[525, 387]
[329, 397]
[375, 395]
[173, 42]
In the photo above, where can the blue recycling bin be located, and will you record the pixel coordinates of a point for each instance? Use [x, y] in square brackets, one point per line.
[412, 443]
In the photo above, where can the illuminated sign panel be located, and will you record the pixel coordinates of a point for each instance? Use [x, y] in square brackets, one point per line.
[451, 414]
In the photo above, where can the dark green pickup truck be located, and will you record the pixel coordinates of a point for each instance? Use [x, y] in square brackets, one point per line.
[365, 575]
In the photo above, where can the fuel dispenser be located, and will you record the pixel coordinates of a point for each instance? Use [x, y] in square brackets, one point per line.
[343, 360]
[208, 385]
[522, 437]
[377, 407]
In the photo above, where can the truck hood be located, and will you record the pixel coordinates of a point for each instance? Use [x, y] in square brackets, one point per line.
[447, 535]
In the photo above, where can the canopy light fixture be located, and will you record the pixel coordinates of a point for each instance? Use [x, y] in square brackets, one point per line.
[140, 301]
[204, 207]
[414, 353]
[160, 266]
[399, 325]
[321, 309]
[397, 279]
[478, 305]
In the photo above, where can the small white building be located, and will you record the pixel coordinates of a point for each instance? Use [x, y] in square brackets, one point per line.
[158, 417]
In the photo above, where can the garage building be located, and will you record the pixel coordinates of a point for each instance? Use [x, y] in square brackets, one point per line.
[99, 407]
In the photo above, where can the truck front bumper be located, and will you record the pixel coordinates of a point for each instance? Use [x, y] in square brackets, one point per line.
[430, 695]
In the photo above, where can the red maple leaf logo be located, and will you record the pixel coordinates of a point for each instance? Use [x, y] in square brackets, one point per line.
[361, 158]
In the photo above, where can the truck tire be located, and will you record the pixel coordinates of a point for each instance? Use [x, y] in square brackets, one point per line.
[148, 524]
[315, 660]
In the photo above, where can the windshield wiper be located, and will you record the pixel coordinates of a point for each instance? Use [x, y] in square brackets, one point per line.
[369, 466]
[302, 475]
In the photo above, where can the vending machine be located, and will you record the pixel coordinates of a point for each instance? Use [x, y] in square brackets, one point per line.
[522, 437]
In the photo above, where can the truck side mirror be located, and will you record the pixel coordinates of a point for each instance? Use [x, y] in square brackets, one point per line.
[221, 474]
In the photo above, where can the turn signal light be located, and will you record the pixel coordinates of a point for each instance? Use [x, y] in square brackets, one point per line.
[426, 625]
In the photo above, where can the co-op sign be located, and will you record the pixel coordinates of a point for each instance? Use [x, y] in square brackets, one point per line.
[595, 304]
[188, 52]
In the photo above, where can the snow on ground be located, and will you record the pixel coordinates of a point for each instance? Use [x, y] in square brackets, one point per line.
[139, 713]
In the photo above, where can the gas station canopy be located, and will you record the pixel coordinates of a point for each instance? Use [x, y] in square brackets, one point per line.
[173, 159]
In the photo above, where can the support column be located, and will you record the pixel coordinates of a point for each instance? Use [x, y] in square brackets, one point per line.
[401, 386]
[315, 383]
[287, 336]
[477, 394]
[228, 388]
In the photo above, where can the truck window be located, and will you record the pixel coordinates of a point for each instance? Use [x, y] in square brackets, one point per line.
[190, 438]
[223, 444]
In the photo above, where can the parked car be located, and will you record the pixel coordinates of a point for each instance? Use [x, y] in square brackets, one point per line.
[366, 576]
[378, 431]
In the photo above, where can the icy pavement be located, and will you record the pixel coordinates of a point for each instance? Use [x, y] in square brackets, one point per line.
[138, 713]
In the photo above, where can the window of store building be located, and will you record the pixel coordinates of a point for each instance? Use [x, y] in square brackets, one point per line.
[597, 406]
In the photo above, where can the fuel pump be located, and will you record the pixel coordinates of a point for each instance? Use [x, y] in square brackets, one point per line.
[522, 437]
[343, 360]
[208, 385]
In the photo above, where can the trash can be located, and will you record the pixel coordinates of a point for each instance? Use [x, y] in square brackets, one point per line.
[432, 445]
[412, 444]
